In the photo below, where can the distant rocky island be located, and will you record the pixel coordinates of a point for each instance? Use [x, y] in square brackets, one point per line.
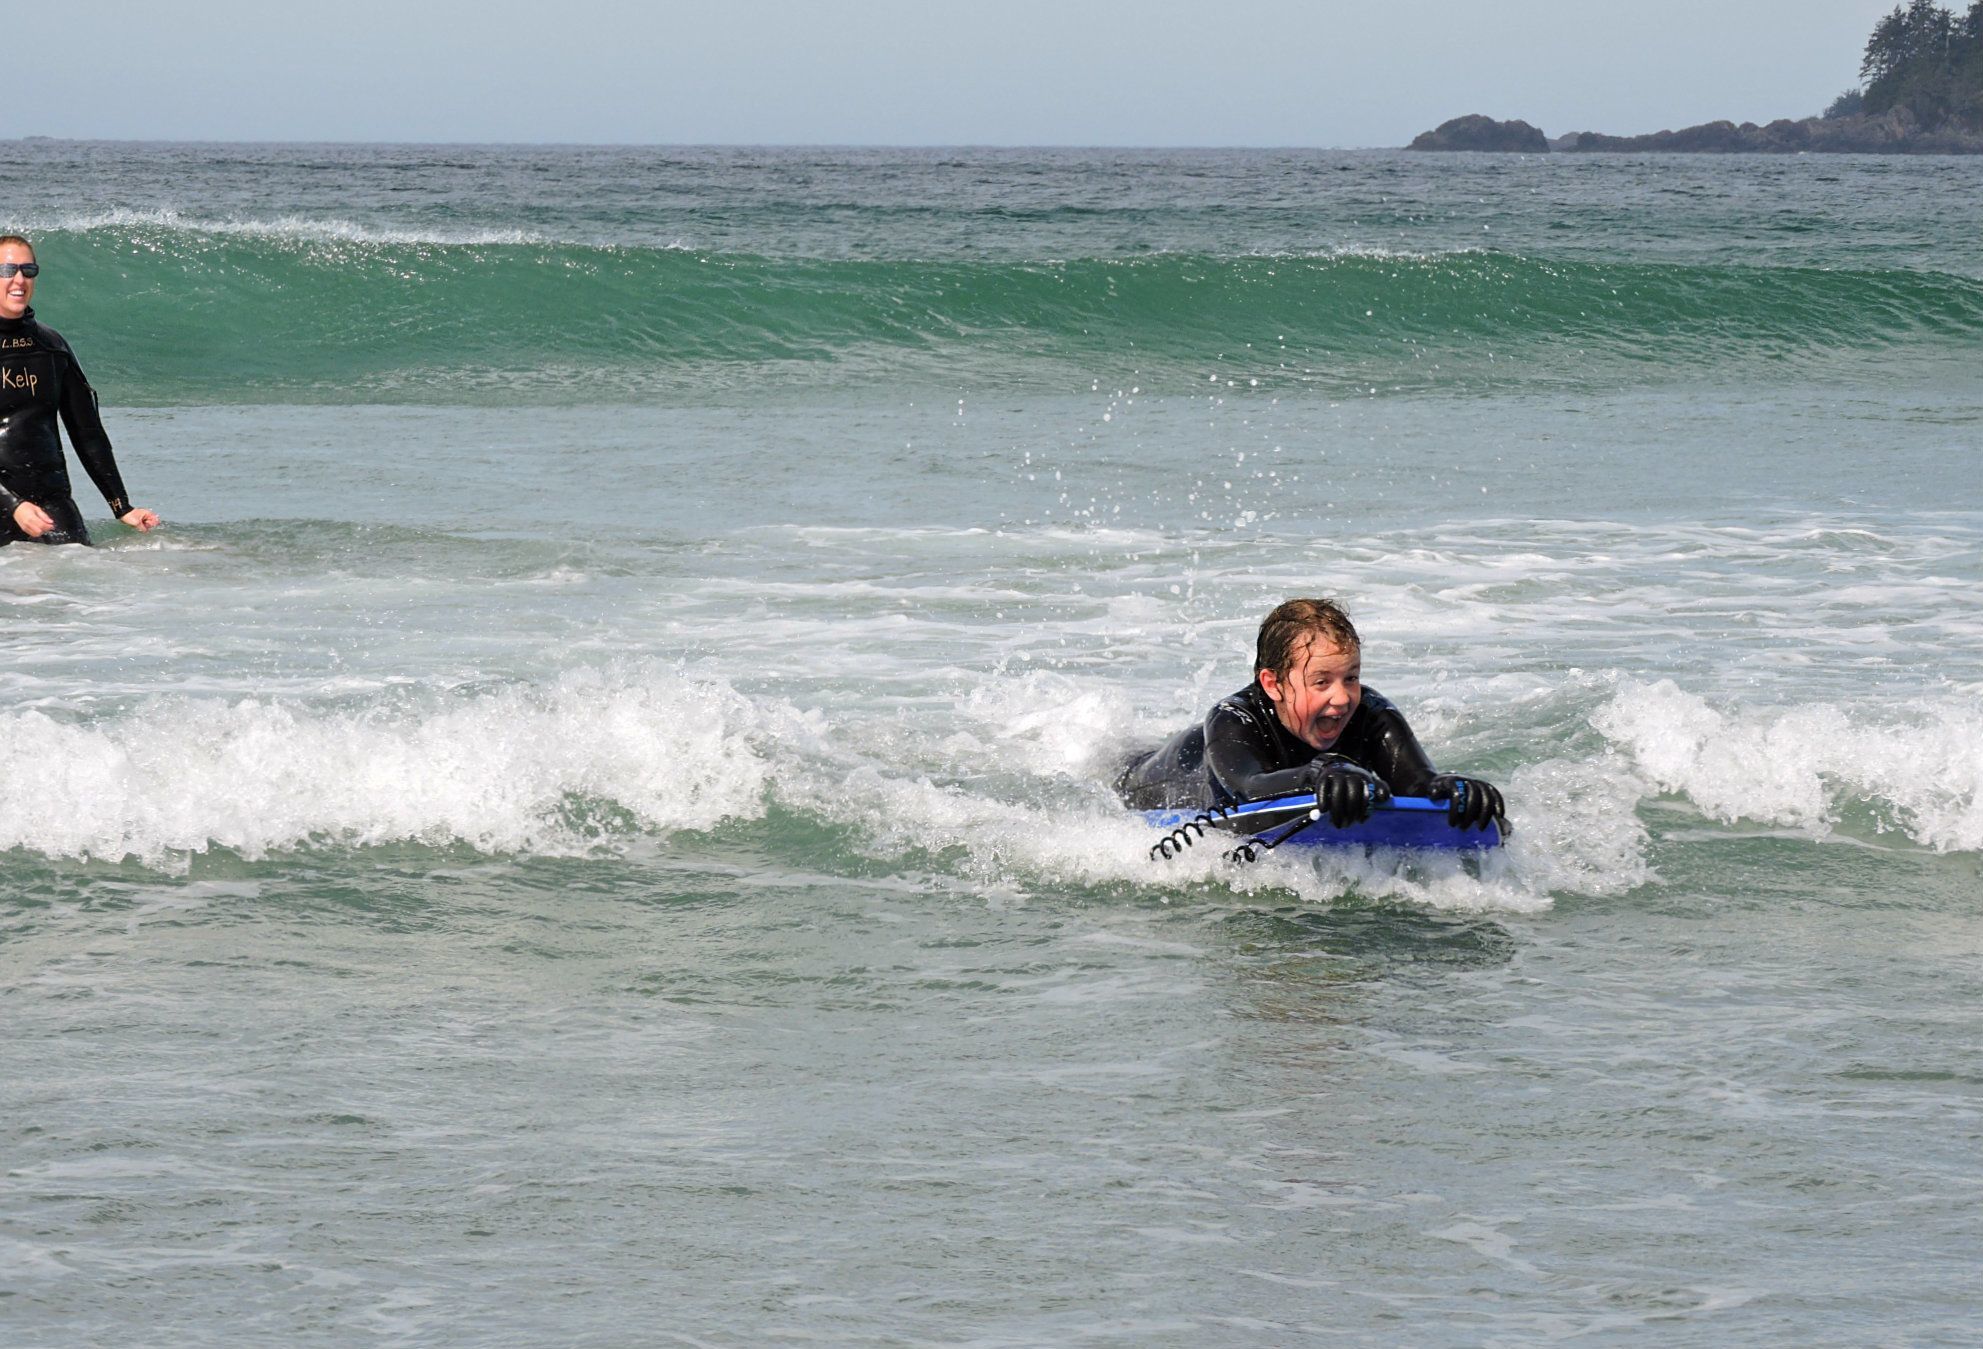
[1923, 95]
[1475, 132]
[1892, 133]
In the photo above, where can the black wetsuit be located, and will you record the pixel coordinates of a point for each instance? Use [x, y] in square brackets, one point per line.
[39, 381]
[1241, 752]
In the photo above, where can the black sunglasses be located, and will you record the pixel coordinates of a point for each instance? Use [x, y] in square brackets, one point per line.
[30, 270]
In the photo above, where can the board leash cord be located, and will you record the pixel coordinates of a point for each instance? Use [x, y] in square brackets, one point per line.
[1186, 835]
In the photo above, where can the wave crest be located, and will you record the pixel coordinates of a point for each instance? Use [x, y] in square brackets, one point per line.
[1920, 771]
[508, 770]
[385, 315]
[158, 226]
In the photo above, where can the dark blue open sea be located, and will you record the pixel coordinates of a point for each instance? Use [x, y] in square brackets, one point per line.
[589, 825]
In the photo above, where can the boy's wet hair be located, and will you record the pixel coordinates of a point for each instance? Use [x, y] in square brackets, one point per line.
[1282, 632]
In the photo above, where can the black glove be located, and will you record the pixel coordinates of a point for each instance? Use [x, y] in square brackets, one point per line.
[1346, 791]
[1470, 802]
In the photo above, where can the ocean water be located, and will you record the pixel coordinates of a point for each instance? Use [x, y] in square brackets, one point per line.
[590, 825]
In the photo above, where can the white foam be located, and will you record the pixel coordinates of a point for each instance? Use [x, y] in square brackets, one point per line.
[1098, 844]
[500, 771]
[1372, 252]
[1919, 768]
[1007, 788]
[1054, 739]
[283, 229]
[1381, 253]
[1047, 723]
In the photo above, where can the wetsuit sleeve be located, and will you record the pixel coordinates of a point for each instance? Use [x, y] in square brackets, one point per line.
[1386, 746]
[1243, 758]
[8, 502]
[86, 433]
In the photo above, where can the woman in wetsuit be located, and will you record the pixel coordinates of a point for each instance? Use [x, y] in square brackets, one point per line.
[40, 381]
[1306, 724]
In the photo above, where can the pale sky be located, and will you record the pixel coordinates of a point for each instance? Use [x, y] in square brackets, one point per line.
[917, 72]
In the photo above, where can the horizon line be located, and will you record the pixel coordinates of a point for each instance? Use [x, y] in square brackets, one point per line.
[40, 138]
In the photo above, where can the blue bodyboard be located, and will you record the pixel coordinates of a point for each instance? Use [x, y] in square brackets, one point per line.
[1403, 822]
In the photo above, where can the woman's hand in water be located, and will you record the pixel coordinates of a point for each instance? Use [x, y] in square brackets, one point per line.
[140, 519]
[33, 520]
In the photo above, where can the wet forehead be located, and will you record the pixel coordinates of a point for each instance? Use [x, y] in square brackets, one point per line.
[1319, 656]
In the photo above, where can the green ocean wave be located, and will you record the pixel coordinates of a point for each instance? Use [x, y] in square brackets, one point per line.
[167, 313]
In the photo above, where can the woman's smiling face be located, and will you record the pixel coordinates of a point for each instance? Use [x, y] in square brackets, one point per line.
[16, 291]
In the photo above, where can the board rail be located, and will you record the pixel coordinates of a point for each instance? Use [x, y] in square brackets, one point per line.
[1401, 822]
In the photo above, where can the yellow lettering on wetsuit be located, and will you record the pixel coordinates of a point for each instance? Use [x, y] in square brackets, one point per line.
[19, 379]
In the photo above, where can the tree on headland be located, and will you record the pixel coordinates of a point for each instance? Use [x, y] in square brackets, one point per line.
[1967, 60]
[1848, 104]
[1923, 60]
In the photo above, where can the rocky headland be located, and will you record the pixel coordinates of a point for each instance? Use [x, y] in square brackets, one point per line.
[1923, 95]
[1893, 132]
